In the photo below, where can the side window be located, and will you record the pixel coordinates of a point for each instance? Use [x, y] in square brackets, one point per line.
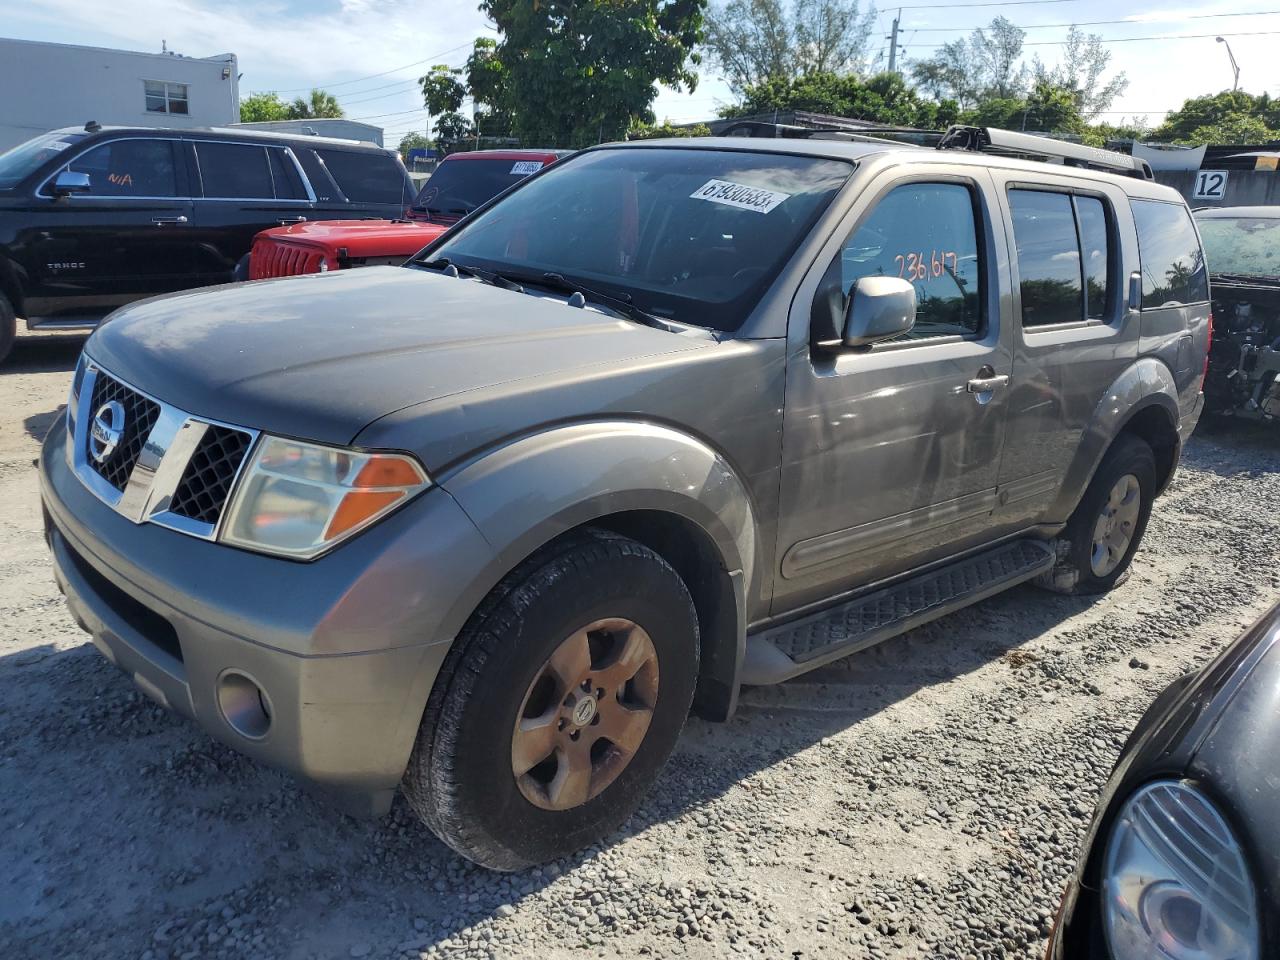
[1173, 270]
[284, 175]
[1044, 234]
[1095, 246]
[925, 233]
[322, 184]
[367, 177]
[234, 171]
[130, 168]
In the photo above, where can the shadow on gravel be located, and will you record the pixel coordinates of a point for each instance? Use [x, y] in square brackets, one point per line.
[1219, 440]
[45, 353]
[138, 831]
[38, 424]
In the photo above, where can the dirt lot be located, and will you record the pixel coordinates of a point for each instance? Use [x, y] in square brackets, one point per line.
[922, 800]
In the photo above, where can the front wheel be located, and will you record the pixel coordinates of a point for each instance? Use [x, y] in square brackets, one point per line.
[558, 704]
[1107, 526]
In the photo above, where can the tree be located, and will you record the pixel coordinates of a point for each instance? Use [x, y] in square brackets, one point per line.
[883, 98]
[318, 106]
[575, 72]
[754, 41]
[651, 132]
[1084, 62]
[983, 65]
[487, 80]
[262, 107]
[412, 141]
[1236, 129]
[1226, 113]
[442, 95]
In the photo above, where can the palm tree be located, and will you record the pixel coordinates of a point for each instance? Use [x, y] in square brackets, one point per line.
[320, 105]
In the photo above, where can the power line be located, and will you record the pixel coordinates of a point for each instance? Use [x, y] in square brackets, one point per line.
[434, 56]
[1098, 23]
[1171, 36]
[1001, 3]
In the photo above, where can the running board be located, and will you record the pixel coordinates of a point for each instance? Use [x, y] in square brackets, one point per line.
[785, 651]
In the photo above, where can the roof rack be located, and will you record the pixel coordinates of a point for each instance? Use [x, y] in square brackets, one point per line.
[1030, 146]
[865, 133]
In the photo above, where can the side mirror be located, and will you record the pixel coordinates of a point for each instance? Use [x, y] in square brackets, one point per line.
[69, 182]
[879, 308]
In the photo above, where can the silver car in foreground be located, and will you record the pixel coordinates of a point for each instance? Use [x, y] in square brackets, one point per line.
[666, 419]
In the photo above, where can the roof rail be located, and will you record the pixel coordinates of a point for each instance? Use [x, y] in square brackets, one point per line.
[1030, 146]
[868, 133]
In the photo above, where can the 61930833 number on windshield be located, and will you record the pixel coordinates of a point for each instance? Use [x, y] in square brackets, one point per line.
[916, 266]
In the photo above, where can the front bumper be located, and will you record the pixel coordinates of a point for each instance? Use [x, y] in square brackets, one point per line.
[345, 649]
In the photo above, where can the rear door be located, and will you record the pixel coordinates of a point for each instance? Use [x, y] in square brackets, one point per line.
[1075, 330]
[129, 237]
[244, 188]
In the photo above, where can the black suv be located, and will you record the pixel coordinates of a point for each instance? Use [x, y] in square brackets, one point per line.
[95, 217]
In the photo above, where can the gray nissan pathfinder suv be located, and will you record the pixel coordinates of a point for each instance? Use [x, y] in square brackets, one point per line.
[666, 419]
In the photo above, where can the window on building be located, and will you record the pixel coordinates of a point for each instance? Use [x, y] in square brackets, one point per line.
[925, 233]
[129, 168]
[165, 97]
[1173, 270]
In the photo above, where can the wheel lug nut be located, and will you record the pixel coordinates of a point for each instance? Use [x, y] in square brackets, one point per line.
[600, 693]
[574, 736]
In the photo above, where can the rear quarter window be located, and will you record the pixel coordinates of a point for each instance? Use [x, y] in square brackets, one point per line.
[366, 177]
[1173, 268]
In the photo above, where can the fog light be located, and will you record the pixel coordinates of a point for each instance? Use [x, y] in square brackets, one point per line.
[244, 705]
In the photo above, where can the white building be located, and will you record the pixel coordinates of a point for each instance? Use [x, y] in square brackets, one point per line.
[51, 85]
[321, 127]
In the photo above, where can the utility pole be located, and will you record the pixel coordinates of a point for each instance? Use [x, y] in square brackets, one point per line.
[893, 43]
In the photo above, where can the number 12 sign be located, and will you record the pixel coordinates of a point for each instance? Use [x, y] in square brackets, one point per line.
[1210, 185]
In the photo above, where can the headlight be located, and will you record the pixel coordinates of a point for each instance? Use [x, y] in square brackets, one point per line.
[1175, 882]
[298, 499]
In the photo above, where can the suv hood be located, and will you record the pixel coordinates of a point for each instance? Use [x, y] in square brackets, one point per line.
[361, 238]
[318, 357]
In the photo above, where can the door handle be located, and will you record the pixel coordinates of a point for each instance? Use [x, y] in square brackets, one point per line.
[161, 221]
[986, 381]
[285, 221]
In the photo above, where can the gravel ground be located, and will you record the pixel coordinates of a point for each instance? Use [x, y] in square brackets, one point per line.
[924, 799]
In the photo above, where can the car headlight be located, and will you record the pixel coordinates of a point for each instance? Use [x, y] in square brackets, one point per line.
[299, 499]
[1175, 882]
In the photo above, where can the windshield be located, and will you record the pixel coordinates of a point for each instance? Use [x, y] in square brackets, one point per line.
[1246, 245]
[459, 186]
[23, 160]
[686, 234]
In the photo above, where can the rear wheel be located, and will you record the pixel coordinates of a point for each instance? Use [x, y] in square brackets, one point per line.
[1107, 526]
[8, 327]
[558, 704]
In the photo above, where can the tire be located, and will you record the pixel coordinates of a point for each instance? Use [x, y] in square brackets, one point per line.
[8, 327]
[240, 272]
[462, 779]
[1082, 567]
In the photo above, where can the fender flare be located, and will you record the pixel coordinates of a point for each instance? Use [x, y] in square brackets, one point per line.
[1144, 384]
[524, 494]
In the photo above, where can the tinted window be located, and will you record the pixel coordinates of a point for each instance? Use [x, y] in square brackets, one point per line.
[1173, 268]
[925, 233]
[694, 235]
[284, 175]
[23, 160]
[1044, 234]
[459, 186]
[366, 177]
[322, 184]
[130, 168]
[1095, 246]
[236, 171]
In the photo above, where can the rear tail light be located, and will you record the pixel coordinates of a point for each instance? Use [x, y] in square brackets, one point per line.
[1208, 350]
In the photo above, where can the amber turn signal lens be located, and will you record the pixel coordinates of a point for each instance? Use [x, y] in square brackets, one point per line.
[357, 507]
[382, 471]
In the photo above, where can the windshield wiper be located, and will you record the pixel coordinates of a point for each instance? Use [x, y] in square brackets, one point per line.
[497, 280]
[618, 303]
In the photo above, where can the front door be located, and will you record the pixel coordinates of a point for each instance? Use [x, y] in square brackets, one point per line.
[127, 238]
[890, 453]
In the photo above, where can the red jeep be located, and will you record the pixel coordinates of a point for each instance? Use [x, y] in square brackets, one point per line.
[462, 182]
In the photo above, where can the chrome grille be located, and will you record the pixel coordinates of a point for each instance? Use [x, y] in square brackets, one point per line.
[140, 415]
[206, 483]
[170, 468]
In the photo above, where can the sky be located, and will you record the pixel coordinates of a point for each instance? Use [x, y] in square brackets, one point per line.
[369, 52]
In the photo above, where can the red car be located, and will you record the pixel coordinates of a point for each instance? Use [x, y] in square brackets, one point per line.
[462, 182]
